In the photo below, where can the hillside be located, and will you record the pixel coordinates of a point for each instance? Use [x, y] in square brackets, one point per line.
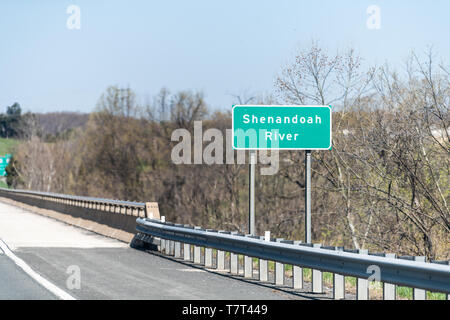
[7, 145]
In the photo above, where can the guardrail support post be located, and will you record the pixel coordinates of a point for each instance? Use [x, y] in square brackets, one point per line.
[187, 251]
[279, 270]
[362, 284]
[162, 246]
[419, 294]
[297, 277]
[389, 290]
[209, 253]
[316, 277]
[338, 286]
[197, 254]
[338, 283]
[220, 260]
[263, 270]
[248, 267]
[177, 249]
[208, 258]
[234, 263]
[279, 273]
[297, 274]
[221, 256]
[234, 260]
[168, 246]
[263, 265]
[197, 251]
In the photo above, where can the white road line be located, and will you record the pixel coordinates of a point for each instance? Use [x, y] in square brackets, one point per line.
[33, 274]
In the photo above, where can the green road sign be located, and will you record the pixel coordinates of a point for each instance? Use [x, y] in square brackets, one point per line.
[257, 127]
[4, 161]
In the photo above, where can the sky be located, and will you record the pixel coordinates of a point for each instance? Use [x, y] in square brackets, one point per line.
[220, 47]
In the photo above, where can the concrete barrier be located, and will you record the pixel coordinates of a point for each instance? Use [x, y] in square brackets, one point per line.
[111, 220]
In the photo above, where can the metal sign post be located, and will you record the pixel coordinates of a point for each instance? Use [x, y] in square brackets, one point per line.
[251, 192]
[260, 127]
[308, 196]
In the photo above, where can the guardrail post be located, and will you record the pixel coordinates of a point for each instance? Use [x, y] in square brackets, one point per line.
[168, 246]
[338, 283]
[297, 274]
[162, 246]
[197, 250]
[316, 276]
[389, 289]
[187, 251]
[221, 256]
[279, 270]
[177, 253]
[208, 258]
[248, 267]
[209, 253]
[263, 265]
[220, 260]
[171, 247]
[234, 262]
[362, 284]
[419, 294]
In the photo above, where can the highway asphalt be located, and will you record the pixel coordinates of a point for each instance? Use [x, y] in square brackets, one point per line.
[86, 265]
[15, 284]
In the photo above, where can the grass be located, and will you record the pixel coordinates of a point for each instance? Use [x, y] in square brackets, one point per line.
[7, 146]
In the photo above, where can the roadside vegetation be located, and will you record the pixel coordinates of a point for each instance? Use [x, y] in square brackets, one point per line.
[7, 146]
[384, 186]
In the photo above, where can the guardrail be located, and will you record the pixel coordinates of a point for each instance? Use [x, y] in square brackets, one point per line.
[178, 240]
[80, 201]
[197, 244]
[112, 218]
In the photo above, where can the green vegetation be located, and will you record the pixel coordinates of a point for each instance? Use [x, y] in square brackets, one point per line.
[7, 145]
[3, 184]
[384, 186]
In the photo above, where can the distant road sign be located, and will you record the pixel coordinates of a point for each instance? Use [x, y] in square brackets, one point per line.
[257, 127]
[4, 161]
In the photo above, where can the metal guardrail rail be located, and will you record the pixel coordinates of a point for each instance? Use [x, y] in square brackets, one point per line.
[88, 202]
[392, 271]
[178, 240]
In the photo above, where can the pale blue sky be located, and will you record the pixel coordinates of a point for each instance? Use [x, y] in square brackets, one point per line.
[220, 47]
